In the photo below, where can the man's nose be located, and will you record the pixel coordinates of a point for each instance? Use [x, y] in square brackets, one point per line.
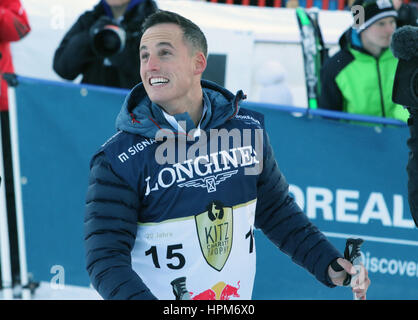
[152, 64]
[390, 28]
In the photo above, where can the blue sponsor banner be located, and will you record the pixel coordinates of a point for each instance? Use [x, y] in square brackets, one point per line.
[349, 179]
[60, 127]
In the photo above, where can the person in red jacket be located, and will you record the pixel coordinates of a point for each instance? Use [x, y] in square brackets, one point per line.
[14, 25]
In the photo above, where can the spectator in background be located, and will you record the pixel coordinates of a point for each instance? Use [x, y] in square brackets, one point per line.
[405, 92]
[14, 25]
[274, 89]
[359, 78]
[292, 4]
[349, 4]
[96, 60]
[412, 167]
[407, 14]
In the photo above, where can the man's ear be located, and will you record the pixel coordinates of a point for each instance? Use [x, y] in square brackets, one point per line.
[200, 63]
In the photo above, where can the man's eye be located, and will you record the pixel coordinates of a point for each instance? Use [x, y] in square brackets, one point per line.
[164, 52]
[144, 56]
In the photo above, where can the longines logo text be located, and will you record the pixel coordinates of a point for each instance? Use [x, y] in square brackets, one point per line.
[201, 161]
[197, 143]
[205, 171]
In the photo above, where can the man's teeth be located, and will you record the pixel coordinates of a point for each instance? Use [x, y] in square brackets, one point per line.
[158, 81]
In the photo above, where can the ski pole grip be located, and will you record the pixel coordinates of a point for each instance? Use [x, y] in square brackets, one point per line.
[352, 254]
[179, 289]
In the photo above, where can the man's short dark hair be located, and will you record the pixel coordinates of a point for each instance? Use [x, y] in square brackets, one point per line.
[191, 32]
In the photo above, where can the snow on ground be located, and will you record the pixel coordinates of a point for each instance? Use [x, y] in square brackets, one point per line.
[46, 291]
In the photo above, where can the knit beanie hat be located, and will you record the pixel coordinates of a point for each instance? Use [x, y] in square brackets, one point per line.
[374, 10]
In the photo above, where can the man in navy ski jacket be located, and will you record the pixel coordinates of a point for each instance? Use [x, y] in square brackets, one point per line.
[175, 195]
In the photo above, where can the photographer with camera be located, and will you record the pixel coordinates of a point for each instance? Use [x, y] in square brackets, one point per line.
[103, 44]
[407, 13]
[404, 46]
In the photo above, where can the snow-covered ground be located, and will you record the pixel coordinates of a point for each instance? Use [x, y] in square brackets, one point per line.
[46, 291]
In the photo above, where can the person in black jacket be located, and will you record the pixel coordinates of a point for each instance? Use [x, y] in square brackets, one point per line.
[409, 74]
[404, 46]
[407, 14]
[77, 55]
[412, 167]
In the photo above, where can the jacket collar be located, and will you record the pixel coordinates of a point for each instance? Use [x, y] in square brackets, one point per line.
[141, 116]
[108, 10]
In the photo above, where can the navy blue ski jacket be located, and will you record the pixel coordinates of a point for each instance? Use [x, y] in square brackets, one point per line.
[132, 200]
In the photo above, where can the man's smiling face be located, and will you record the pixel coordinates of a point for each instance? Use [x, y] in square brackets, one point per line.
[168, 68]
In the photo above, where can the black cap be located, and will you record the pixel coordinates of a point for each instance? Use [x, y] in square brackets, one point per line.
[374, 10]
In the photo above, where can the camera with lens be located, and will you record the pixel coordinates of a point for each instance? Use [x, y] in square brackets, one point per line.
[405, 47]
[107, 37]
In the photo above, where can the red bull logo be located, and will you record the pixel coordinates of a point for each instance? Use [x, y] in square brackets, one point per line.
[220, 291]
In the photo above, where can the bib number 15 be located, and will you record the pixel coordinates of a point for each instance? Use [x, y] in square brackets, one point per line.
[172, 253]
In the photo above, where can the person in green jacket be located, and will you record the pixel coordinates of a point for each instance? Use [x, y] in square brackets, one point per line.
[359, 78]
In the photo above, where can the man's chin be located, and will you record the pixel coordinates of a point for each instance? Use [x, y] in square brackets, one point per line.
[386, 44]
[158, 101]
[155, 97]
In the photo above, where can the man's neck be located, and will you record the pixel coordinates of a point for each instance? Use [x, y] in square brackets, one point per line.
[193, 106]
[196, 112]
[119, 11]
[374, 51]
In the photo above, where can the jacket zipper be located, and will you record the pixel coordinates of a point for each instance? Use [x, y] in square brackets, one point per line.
[379, 79]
